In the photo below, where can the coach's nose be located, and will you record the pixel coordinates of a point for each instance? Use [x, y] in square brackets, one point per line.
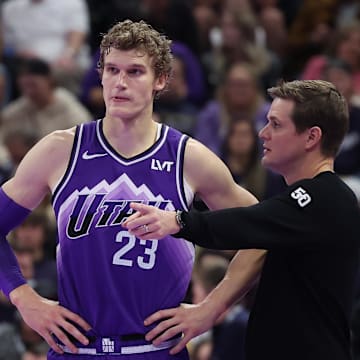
[264, 132]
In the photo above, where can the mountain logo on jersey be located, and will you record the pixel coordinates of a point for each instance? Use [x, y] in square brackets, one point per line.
[105, 205]
[302, 197]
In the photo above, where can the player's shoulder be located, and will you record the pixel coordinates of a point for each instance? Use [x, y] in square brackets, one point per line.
[196, 148]
[56, 143]
[201, 164]
[57, 137]
[197, 153]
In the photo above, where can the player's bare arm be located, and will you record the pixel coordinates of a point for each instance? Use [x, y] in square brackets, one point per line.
[40, 171]
[212, 181]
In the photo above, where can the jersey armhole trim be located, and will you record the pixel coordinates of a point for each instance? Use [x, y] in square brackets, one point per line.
[71, 165]
[180, 182]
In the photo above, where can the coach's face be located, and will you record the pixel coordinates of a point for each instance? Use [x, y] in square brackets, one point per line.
[284, 147]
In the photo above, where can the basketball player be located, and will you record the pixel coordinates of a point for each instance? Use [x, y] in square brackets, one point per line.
[110, 281]
[311, 231]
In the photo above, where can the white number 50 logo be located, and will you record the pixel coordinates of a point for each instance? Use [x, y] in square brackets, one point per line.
[302, 197]
[146, 262]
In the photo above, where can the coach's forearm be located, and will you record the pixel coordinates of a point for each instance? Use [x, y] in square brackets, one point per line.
[196, 229]
[243, 272]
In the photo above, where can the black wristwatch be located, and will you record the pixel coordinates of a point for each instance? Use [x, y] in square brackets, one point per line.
[179, 220]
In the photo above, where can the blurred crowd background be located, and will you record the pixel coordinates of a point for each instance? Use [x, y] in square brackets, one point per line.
[226, 54]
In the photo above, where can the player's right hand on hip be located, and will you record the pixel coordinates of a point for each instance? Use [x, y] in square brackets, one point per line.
[49, 319]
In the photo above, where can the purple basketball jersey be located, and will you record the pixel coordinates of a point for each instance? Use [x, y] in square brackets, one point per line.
[109, 277]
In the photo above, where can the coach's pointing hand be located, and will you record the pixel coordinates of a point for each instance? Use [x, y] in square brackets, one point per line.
[48, 318]
[149, 222]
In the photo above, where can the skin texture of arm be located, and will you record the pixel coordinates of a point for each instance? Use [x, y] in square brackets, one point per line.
[212, 181]
[39, 171]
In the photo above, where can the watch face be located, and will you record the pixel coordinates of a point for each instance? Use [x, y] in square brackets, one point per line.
[179, 219]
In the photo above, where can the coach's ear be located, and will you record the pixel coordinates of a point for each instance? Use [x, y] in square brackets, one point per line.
[314, 135]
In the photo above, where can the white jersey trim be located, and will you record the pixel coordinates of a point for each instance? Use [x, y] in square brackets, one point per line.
[189, 193]
[72, 167]
[180, 178]
[128, 163]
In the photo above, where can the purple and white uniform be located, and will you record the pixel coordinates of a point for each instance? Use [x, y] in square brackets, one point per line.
[107, 276]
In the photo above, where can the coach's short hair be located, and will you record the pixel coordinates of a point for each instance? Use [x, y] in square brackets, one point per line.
[317, 103]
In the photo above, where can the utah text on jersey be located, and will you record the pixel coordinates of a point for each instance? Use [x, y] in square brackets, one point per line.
[109, 213]
[302, 197]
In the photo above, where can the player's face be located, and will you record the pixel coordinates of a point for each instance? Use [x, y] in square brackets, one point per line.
[129, 84]
[284, 148]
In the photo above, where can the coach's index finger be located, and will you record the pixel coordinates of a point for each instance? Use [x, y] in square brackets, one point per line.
[131, 218]
[141, 208]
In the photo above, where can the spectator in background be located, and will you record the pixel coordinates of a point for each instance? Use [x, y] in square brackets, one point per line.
[8, 314]
[272, 19]
[206, 18]
[345, 46]
[349, 11]
[193, 72]
[347, 162]
[173, 107]
[104, 14]
[31, 247]
[241, 153]
[309, 33]
[19, 342]
[173, 18]
[35, 355]
[54, 31]
[202, 349]
[42, 107]
[236, 41]
[11, 346]
[238, 95]
[91, 92]
[32, 236]
[17, 143]
[5, 85]
[228, 335]
[209, 269]
[25, 259]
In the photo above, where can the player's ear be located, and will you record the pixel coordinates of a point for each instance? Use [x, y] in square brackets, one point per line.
[314, 135]
[160, 82]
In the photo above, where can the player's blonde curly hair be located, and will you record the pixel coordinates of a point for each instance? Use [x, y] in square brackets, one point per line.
[129, 35]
